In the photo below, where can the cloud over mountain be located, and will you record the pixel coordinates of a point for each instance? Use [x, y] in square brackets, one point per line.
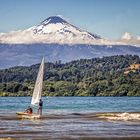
[128, 38]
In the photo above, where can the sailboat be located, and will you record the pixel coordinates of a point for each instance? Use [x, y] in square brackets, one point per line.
[36, 93]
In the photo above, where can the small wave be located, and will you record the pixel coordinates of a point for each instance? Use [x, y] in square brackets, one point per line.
[120, 116]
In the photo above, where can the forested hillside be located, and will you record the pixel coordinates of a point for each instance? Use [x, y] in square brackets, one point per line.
[85, 77]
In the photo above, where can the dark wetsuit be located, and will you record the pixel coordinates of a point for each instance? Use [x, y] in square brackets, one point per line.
[40, 107]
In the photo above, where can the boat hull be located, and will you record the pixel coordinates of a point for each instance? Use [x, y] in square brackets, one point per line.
[27, 115]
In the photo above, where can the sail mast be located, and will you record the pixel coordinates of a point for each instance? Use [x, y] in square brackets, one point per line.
[38, 85]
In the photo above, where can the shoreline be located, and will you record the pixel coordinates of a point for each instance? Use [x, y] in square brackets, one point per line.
[72, 96]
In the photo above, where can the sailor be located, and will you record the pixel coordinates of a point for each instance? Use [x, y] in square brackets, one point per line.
[40, 107]
[29, 110]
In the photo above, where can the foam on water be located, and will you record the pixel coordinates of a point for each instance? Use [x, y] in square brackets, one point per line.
[120, 116]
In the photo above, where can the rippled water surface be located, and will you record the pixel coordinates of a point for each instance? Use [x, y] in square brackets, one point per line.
[72, 118]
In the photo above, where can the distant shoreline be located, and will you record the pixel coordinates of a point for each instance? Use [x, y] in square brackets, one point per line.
[68, 96]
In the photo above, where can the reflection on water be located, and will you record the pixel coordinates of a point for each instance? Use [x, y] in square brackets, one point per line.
[70, 121]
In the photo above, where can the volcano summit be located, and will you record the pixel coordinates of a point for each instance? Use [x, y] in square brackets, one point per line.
[57, 39]
[53, 30]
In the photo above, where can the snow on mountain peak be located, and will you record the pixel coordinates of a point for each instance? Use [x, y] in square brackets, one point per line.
[64, 32]
[54, 30]
[54, 24]
[127, 36]
[53, 20]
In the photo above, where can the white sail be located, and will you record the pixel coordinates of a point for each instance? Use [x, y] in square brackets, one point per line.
[38, 85]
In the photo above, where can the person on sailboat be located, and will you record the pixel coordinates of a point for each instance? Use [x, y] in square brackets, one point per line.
[29, 110]
[40, 107]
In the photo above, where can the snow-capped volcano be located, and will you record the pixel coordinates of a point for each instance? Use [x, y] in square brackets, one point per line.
[53, 30]
[57, 39]
[57, 25]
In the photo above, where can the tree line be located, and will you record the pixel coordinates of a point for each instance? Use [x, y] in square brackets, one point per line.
[85, 77]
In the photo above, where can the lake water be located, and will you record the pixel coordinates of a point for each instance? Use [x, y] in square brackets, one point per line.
[72, 118]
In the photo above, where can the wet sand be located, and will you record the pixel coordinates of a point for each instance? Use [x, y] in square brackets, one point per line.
[92, 126]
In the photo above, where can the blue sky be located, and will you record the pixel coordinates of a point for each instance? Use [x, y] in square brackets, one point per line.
[107, 18]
